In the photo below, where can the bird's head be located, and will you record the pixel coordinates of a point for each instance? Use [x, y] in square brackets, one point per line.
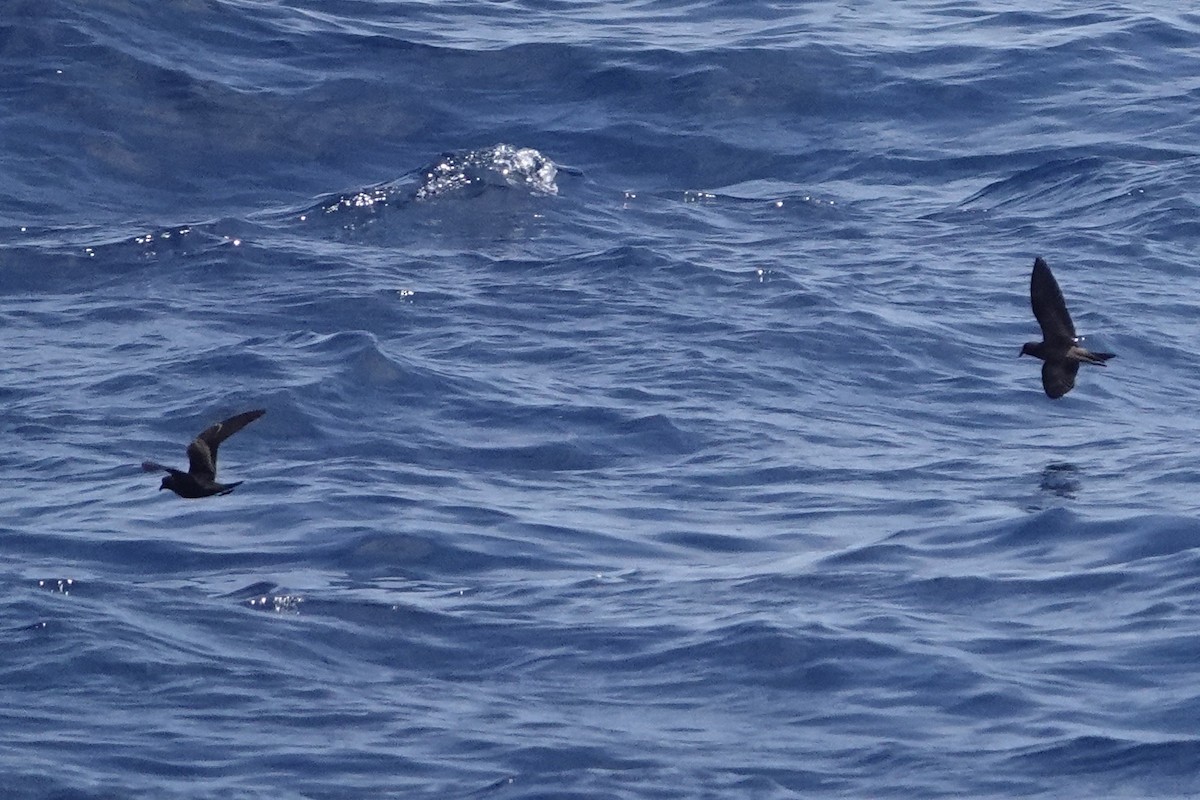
[166, 482]
[1029, 349]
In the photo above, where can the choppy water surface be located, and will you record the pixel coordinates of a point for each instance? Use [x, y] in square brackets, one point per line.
[644, 410]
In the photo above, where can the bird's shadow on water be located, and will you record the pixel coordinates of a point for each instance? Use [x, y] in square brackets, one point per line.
[1058, 482]
[1061, 479]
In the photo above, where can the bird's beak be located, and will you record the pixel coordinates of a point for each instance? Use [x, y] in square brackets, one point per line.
[161, 488]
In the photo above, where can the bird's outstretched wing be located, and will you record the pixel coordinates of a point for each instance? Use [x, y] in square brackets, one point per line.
[154, 466]
[1058, 377]
[202, 461]
[202, 452]
[1049, 306]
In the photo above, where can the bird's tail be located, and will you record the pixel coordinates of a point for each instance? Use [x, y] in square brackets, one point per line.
[1091, 358]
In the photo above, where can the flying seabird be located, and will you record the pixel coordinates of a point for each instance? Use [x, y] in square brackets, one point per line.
[201, 478]
[1059, 347]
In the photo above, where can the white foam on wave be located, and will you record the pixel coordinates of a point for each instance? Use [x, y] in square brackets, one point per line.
[502, 165]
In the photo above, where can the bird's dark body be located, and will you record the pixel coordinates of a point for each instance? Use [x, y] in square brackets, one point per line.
[1059, 349]
[185, 485]
[201, 478]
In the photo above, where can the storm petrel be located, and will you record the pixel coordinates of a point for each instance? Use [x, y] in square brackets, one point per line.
[201, 478]
[1059, 348]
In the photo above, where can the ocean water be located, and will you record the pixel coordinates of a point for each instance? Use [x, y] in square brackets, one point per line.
[644, 415]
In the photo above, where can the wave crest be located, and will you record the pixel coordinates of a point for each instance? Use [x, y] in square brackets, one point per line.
[501, 166]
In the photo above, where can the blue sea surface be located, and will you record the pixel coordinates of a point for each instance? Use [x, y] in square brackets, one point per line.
[644, 415]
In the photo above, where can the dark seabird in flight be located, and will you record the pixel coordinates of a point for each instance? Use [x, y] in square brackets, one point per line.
[1059, 347]
[201, 478]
